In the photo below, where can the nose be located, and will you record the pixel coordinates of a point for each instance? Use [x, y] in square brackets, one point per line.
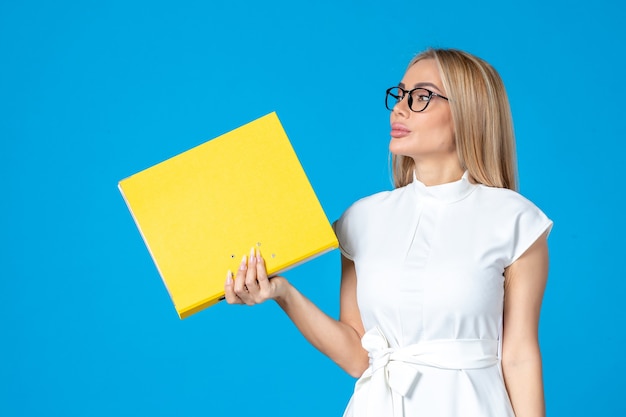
[402, 107]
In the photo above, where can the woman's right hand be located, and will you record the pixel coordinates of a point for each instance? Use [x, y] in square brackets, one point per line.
[251, 285]
[340, 340]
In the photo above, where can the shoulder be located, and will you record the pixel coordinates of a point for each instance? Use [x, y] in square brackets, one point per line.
[381, 201]
[374, 211]
[363, 208]
[504, 201]
[512, 217]
[369, 215]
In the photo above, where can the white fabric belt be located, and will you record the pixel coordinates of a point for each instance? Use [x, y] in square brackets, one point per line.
[392, 374]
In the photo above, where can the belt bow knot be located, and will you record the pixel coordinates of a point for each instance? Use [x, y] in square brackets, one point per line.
[397, 376]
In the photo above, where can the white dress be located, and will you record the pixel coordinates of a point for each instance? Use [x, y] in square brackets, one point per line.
[430, 287]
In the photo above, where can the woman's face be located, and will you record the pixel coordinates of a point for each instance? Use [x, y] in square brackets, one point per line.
[427, 136]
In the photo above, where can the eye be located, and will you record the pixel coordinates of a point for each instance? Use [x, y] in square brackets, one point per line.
[421, 95]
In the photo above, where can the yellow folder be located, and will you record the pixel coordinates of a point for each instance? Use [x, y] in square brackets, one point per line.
[200, 211]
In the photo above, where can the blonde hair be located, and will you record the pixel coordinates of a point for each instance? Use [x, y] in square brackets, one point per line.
[483, 125]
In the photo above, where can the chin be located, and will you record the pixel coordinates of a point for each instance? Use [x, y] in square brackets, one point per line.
[397, 148]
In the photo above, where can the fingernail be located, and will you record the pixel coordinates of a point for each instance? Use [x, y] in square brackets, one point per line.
[252, 254]
[229, 277]
[242, 266]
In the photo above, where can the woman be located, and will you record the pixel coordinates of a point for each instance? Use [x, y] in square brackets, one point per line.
[443, 277]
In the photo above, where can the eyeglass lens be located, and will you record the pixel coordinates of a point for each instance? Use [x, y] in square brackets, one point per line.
[418, 100]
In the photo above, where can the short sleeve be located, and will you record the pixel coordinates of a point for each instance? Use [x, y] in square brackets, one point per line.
[341, 228]
[530, 224]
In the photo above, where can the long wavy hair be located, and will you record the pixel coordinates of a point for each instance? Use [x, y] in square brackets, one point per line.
[483, 125]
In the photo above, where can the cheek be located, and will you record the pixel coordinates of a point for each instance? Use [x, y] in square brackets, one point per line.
[449, 132]
[445, 127]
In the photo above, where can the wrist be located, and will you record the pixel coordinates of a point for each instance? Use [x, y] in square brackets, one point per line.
[283, 290]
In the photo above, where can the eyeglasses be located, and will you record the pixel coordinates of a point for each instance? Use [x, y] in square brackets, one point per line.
[418, 98]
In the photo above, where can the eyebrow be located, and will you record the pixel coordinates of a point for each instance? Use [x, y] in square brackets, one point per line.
[423, 85]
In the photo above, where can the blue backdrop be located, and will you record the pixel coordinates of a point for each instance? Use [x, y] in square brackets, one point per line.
[93, 91]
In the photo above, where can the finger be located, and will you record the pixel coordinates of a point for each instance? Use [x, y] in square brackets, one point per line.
[246, 275]
[251, 275]
[229, 290]
[261, 274]
[239, 286]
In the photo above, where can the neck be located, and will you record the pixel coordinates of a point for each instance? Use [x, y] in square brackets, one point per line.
[438, 174]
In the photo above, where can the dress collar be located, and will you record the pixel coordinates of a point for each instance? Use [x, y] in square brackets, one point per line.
[444, 193]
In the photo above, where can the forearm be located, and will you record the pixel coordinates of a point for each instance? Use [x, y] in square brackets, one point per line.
[337, 340]
[524, 383]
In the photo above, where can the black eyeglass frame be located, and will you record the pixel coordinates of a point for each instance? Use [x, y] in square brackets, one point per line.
[409, 94]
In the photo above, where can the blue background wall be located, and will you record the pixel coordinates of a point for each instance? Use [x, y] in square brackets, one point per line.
[93, 91]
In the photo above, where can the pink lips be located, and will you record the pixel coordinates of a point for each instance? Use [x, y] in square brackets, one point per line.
[398, 130]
